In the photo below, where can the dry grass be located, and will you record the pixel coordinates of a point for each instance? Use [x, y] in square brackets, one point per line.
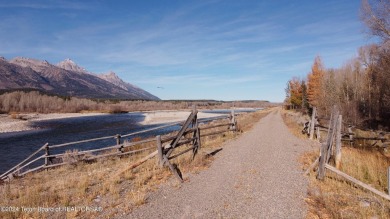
[104, 183]
[367, 166]
[336, 198]
[294, 121]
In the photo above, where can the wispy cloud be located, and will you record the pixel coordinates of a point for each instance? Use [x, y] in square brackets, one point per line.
[211, 43]
[328, 27]
[201, 79]
[44, 5]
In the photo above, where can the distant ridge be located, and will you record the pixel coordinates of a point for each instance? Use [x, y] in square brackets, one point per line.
[114, 79]
[65, 79]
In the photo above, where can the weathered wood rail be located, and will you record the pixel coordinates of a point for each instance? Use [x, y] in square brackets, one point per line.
[313, 129]
[45, 157]
[331, 147]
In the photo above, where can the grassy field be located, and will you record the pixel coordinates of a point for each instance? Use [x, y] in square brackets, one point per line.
[105, 188]
[337, 198]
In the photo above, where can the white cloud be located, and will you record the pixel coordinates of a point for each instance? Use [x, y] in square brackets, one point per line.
[44, 5]
[191, 42]
[201, 79]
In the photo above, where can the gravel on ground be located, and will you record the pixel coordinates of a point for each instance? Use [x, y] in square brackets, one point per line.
[255, 176]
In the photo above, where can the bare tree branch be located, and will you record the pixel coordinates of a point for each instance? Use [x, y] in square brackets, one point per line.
[376, 15]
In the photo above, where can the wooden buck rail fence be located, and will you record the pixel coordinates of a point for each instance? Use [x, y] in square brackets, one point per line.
[44, 158]
[313, 129]
[331, 148]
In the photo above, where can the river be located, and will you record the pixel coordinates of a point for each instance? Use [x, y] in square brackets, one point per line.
[16, 146]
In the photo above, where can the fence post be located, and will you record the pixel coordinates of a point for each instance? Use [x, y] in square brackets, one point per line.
[388, 180]
[47, 153]
[350, 133]
[321, 162]
[331, 148]
[196, 134]
[318, 134]
[118, 139]
[326, 147]
[118, 142]
[159, 151]
[312, 123]
[233, 126]
[193, 108]
[338, 142]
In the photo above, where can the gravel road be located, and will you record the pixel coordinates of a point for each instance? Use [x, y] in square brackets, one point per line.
[254, 176]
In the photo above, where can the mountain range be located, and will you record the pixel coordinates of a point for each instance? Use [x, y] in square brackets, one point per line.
[66, 79]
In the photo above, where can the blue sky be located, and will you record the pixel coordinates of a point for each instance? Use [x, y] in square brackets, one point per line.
[223, 50]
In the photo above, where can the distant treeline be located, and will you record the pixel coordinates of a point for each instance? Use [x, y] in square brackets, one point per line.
[36, 102]
[361, 87]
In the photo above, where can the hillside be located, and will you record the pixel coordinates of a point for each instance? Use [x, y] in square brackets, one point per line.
[114, 79]
[66, 79]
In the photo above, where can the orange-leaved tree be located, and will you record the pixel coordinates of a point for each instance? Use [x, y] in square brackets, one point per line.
[295, 92]
[314, 82]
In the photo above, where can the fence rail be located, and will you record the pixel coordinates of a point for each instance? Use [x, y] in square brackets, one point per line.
[313, 129]
[331, 147]
[49, 159]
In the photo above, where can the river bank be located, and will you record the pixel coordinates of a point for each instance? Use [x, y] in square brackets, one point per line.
[25, 121]
[159, 117]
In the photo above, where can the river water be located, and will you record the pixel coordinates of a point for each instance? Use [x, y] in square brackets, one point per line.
[16, 146]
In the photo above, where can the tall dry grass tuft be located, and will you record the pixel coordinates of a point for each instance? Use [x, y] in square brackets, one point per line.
[367, 166]
[71, 156]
